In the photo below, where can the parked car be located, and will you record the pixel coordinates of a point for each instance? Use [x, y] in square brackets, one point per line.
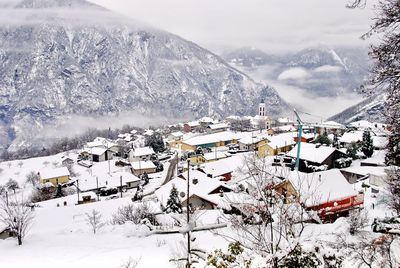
[386, 225]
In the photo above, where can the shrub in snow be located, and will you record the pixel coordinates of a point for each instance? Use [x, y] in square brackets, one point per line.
[174, 203]
[358, 219]
[43, 192]
[367, 145]
[136, 214]
[94, 220]
[298, 257]
[233, 258]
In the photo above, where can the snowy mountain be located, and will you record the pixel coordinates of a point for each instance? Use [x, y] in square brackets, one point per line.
[370, 109]
[60, 59]
[321, 70]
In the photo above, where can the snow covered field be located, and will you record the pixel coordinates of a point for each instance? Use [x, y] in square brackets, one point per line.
[61, 237]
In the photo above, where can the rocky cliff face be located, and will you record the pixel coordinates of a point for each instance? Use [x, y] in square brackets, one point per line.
[63, 58]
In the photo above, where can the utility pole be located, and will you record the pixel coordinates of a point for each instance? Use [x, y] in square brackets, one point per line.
[298, 139]
[189, 259]
[77, 189]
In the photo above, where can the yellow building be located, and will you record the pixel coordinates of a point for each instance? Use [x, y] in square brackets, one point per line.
[54, 176]
[207, 157]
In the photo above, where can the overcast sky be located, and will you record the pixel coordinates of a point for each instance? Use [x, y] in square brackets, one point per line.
[272, 25]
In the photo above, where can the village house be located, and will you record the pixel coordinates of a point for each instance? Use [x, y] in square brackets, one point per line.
[254, 143]
[54, 176]
[218, 169]
[329, 127]
[174, 139]
[141, 167]
[314, 157]
[100, 149]
[305, 137]
[351, 137]
[326, 192]
[208, 157]
[191, 126]
[143, 153]
[284, 121]
[206, 122]
[277, 144]
[210, 140]
[205, 192]
[214, 128]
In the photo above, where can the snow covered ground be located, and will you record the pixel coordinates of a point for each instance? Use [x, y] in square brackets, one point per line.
[61, 237]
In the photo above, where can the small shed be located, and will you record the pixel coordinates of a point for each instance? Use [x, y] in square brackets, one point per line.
[141, 167]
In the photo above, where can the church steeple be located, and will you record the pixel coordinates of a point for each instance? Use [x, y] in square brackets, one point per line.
[261, 108]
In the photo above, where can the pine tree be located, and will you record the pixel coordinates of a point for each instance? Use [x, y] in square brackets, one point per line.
[367, 144]
[174, 203]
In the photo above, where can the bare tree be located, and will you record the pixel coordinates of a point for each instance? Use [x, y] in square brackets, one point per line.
[17, 215]
[269, 223]
[369, 250]
[20, 164]
[94, 220]
[393, 186]
[32, 178]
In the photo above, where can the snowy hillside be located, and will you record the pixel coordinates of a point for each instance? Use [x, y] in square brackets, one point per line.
[370, 109]
[67, 59]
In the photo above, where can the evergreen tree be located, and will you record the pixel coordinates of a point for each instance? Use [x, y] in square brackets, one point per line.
[323, 139]
[59, 191]
[367, 144]
[352, 150]
[156, 142]
[174, 203]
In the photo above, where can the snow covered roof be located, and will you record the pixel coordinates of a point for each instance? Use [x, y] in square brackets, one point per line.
[143, 151]
[310, 152]
[285, 120]
[148, 132]
[206, 120]
[331, 124]
[96, 150]
[380, 142]
[106, 180]
[101, 142]
[321, 187]
[193, 123]
[54, 173]
[202, 188]
[284, 128]
[281, 140]
[212, 138]
[133, 131]
[177, 134]
[218, 126]
[137, 165]
[252, 139]
[353, 136]
[214, 155]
